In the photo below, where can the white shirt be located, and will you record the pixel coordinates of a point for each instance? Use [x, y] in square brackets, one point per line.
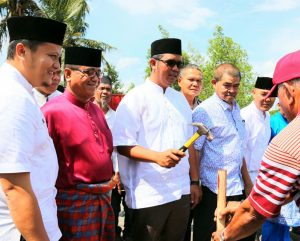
[41, 99]
[152, 119]
[258, 133]
[25, 146]
[110, 117]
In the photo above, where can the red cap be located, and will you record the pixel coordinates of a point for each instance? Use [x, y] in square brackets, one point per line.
[287, 68]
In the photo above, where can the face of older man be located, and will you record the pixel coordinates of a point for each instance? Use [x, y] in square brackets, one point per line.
[227, 88]
[190, 82]
[82, 81]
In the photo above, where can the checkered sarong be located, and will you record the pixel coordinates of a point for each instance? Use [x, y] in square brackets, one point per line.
[85, 213]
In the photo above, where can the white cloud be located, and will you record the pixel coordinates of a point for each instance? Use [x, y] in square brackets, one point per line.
[265, 68]
[284, 40]
[191, 19]
[182, 14]
[124, 63]
[277, 5]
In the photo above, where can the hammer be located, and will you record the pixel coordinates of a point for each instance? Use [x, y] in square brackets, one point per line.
[202, 130]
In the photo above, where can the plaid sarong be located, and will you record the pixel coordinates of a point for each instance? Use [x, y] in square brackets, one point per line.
[85, 213]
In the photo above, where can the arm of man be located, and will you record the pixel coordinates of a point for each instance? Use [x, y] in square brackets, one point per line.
[196, 191]
[168, 158]
[23, 206]
[246, 178]
[245, 222]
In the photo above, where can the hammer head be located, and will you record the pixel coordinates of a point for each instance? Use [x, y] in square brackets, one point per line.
[203, 130]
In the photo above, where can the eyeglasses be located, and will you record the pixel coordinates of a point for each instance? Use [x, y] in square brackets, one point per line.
[171, 63]
[90, 72]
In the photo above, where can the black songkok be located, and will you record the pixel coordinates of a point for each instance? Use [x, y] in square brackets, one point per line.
[83, 56]
[265, 83]
[166, 46]
[36, 28]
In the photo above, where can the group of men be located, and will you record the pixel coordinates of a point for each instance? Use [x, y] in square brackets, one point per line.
[60, 173]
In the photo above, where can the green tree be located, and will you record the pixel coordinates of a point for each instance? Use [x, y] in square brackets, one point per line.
[223, 49]
[130, 87]
[9, 8]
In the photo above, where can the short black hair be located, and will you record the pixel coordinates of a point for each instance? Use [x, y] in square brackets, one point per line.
[31, 44]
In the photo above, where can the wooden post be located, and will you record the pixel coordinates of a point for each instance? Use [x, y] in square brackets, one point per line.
[221, 201]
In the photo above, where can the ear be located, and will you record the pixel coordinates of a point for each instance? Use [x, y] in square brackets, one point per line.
[21, 50]
[290, 92]
[179, 80]
[213, 81]
[152, 63]
[67, 74]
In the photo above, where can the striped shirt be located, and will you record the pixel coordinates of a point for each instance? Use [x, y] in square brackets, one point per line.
[279, 172]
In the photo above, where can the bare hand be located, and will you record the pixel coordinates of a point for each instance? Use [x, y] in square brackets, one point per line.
[170, 158]
[227, 212]
[216, 235]
[196, 195]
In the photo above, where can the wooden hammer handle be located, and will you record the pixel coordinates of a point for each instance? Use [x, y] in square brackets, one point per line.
[221, 200]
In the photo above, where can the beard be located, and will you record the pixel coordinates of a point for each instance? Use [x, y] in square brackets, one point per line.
[103, 104]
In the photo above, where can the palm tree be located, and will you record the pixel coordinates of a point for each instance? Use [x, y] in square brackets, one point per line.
[72, 12]
[9, 8]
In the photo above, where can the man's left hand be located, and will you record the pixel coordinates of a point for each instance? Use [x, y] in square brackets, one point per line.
[196, 195]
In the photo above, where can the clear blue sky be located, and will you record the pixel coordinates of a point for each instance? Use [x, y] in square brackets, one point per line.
[266, 29]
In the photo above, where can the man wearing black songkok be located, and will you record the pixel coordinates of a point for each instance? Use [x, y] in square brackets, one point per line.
[153, 122]
[83, 143]
[28, 162]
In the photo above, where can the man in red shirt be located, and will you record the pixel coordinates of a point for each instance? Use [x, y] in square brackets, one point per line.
[279, 175]
[83, 143]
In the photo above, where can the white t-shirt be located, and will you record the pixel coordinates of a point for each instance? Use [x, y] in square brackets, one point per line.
[158, 121]
[25, 146]
[110, 117]
[258, 134]
[41, 99]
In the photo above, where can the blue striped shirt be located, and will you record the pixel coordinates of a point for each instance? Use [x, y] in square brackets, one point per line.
[225, 151]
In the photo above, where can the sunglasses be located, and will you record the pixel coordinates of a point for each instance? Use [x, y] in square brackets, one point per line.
[89, 72]
[171, 63]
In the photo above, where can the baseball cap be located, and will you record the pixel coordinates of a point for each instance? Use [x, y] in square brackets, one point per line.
[287, 68]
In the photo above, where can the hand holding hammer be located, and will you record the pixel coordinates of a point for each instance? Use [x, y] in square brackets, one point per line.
[202, 130]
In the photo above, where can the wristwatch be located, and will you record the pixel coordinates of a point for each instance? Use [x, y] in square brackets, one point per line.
[196, 182]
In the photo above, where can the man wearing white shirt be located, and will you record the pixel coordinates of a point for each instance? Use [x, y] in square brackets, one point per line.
[257, 124]
[43, 94]
[28, 162]
[103, 96]
[154, 121]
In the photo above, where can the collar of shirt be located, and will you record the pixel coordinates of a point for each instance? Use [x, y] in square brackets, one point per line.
[69, 96]
[223, 103]
[155, 87]
[19, 77]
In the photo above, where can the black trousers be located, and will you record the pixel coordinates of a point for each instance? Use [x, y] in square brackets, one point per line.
[116, 200]
[204, 224]
[166, 222]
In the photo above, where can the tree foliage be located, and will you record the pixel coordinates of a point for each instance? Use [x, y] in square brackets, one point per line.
[223, 49]
[10, 8]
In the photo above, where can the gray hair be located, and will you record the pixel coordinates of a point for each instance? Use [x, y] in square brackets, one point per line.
[189, 66]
